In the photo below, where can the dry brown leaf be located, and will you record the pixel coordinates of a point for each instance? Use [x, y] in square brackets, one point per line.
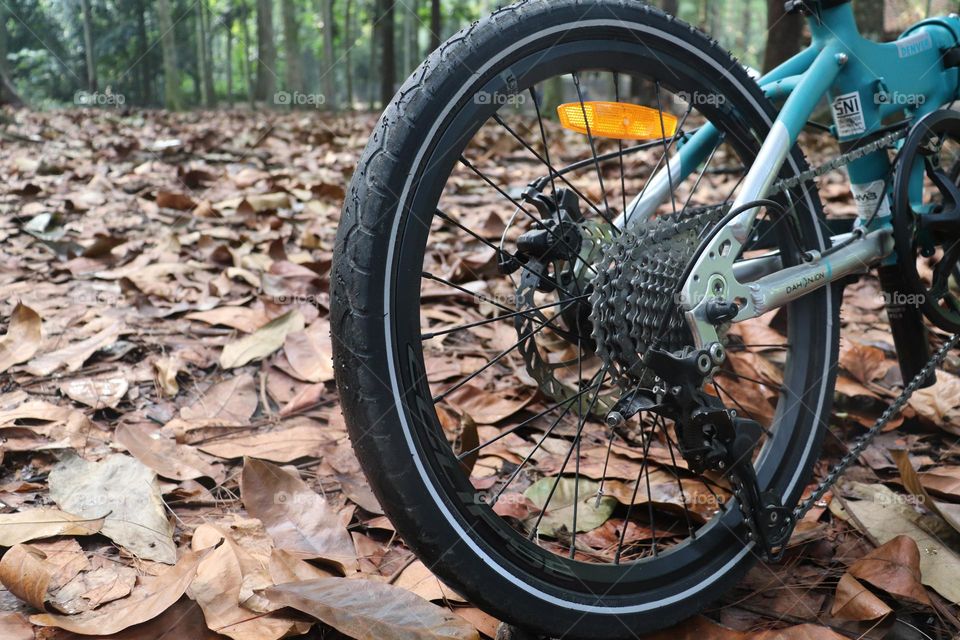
[22, 339]
[854, 601]
[863, 362]
[72, 357]
[123, 492]
[285, 567]
[239, 318]
[96, 393]
[310, 352]
[368, 610]
[262, 342]
[219, 585]
[231, 401]
[34, 524]
[485, 407]
[164, 455]
[167, 370]
[24, 572]
[299, 520]
[15, 626]
[285, 442]
[887, 515]
[419, 580]
[108, 582]
[914, 484]
[895, 568]
[152, 596]
[178, 201]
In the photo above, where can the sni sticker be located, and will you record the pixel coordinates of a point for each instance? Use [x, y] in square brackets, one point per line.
[848, 114]
[868, 197]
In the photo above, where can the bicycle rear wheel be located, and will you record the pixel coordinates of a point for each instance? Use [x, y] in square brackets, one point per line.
[462, 384]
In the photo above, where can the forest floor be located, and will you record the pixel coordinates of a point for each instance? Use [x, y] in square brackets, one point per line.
[167, 387]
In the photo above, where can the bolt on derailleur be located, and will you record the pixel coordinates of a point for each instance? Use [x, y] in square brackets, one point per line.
[711, 437]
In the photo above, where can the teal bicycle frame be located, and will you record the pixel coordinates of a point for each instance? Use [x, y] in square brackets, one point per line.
[866, 83]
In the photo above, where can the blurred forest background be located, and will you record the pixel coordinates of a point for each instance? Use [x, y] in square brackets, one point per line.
[327, 54]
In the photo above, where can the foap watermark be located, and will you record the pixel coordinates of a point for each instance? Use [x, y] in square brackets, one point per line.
[299, 99]
[499, 99]
[301, 497]
[899, 99]
[699, 99]
[99, 99]
[900, 299]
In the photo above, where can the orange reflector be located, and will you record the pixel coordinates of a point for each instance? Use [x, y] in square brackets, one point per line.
[617, 120]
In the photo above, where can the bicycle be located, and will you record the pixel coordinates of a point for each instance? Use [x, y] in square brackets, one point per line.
[542, 284]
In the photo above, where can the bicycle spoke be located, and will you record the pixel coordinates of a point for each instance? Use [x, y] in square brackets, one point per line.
[543, 139]
[536, 221]
[514, 314]
[541, 326]
[703, 172]
[553, 172]
[666, 151]
[553, 489]
[593, 149]
[673, 461]
[623, 185]
[514, 429]
[645, 442]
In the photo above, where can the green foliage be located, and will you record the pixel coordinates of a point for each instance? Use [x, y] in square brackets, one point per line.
[46, 58]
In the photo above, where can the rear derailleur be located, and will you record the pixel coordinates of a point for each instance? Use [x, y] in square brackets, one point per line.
[711, 437]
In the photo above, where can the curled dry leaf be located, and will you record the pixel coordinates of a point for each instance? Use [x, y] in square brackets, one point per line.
[125, 493]
[895, 568]
[152, 596]
[299, 520]
[367, 610]
[22, 339]
[264, 341]
[854, 601]
[885, 515]
[219, 585]
[34, 524]
[167, 370]
[24, 572]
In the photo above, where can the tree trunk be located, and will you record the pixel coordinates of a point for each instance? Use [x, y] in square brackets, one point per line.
[436, 24]
[8, 95]
[671, 6]
[784, 35]
[266, 53]
[247, 70]
[329, 74]
[388, 59]
[348, 45]
[88, 46]
[204, 73]
[869, 15]
[168, 41]
[145, 66]
[228, 24]
[293, 78]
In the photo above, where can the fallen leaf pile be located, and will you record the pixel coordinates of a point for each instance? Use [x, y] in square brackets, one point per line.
[173, 455]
